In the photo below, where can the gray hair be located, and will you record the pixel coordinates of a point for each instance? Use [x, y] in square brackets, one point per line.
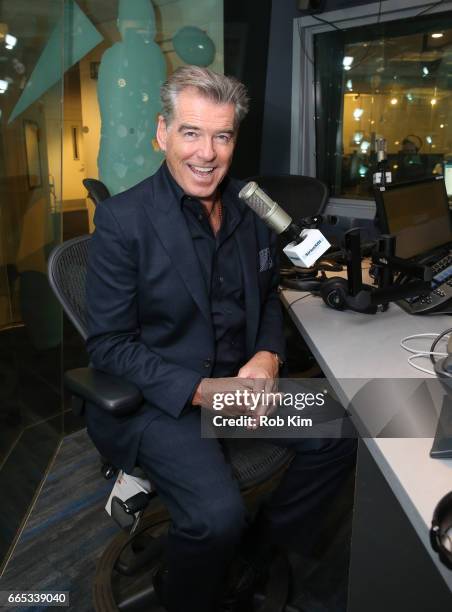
[217, 87]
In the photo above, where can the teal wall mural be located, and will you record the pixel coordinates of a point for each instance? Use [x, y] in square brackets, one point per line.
[130, 75]
[193, 46]
[72, 38]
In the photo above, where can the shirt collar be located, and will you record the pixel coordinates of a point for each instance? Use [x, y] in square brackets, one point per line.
[228, 195]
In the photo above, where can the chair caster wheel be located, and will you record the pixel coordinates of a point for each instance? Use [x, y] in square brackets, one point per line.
[108, 471]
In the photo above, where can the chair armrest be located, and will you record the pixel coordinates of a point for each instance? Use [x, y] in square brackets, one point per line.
[113, 394]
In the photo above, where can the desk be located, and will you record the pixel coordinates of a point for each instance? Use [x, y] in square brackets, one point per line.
[351, 346]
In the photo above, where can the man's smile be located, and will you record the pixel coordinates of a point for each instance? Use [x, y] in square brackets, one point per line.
[201, 170]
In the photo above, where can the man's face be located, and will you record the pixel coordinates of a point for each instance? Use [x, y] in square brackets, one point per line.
[199, 143]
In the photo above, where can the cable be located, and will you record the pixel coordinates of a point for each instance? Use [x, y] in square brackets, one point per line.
[333, 25]
[303, 47]
[330, 23]
[416, 354]
[440, 337]
[419, 352]
[418, 367]
[298, 300]
[429, 8]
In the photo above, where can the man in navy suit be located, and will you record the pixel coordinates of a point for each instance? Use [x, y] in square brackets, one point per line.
[182, 301]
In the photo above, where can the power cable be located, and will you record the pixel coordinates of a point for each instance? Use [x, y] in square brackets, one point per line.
[429, 8]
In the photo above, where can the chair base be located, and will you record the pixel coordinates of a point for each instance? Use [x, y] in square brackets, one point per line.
[123, 580]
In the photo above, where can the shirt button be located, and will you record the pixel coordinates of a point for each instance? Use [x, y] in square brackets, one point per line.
[220, 279]
[207, 363]
[200, 217]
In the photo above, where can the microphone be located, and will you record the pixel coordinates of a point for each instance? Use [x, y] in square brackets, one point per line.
[269, 211]
[305, 246]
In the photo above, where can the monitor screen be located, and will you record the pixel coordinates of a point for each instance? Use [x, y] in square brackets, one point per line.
[417, 214]
[448, 178]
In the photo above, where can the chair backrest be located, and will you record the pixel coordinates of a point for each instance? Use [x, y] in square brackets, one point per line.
[97, 191]
[299, 196]
[66, 270]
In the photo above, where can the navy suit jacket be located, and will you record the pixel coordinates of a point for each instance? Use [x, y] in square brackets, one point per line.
[148, 308]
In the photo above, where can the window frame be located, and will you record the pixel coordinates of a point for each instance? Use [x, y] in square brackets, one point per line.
[303, 134]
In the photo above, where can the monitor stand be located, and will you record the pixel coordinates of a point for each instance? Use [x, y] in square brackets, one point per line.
[442, 445]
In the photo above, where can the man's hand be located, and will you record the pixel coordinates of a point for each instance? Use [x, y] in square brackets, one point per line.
[212, 392]
[264, 368]
[263, 364]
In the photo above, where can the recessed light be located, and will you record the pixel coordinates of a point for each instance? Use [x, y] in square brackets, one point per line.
[437, 35]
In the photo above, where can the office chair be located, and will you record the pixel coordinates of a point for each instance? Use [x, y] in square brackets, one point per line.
[256, 464]
[97, 191]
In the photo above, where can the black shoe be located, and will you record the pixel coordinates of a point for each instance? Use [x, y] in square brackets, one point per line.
[245, 578]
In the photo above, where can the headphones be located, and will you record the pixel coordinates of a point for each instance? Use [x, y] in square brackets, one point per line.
[441, 530]
[334, 292]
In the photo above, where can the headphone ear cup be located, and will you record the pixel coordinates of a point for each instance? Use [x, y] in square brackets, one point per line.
[334, 291]
[441, 526]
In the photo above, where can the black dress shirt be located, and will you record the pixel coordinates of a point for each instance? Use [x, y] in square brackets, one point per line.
[220, 266]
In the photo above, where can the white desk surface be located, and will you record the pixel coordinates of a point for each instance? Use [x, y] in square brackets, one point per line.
[353, 346]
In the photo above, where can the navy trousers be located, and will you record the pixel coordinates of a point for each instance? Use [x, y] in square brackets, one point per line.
[207, 511]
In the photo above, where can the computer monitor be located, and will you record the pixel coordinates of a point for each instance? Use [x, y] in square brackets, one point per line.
[417, 213]
[448, 178]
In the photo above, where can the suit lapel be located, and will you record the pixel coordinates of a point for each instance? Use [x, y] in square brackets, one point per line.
[171, 228]
[246, 242]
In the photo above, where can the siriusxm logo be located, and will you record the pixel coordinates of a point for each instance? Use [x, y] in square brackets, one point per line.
[313, 248]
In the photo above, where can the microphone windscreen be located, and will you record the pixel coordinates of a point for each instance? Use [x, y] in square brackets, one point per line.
[256, 199]
[265, 207]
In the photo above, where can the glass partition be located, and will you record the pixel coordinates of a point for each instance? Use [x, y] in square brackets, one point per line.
[389, 80]
[30, 225]
[103, 63]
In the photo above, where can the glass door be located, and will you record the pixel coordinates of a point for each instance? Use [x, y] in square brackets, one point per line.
[31, 56]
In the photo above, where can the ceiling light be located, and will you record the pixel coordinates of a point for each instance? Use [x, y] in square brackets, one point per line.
[3, 86]
[365, 146]
[429, 139]
[397, 142]
[437, 35]
[349, 85]
[441, 125]
[10, 41]
[358, 113]
[409, 97]
[347, 62]
[357, 137]
[394, 101]
[425, 70]
[433, 101]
